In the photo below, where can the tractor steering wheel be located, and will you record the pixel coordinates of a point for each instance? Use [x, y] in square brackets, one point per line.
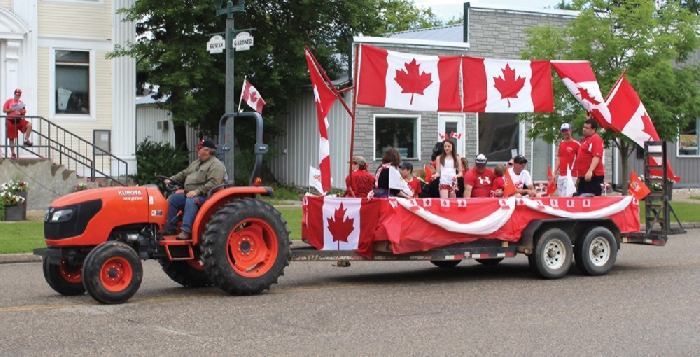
[171, 187]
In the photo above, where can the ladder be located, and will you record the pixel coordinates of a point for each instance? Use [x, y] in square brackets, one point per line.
[657, 209]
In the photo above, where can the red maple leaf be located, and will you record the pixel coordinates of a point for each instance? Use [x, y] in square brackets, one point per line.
[411, 80]
[649, 129]
[508, 86]
[339, 226]
[254, 96]
[583, 92]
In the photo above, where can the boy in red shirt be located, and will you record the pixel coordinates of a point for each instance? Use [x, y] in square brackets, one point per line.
[406, 170]
[566, 156]
[589, 161]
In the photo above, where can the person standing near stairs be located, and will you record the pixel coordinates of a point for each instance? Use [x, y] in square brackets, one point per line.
[198, 178]
[15, 110]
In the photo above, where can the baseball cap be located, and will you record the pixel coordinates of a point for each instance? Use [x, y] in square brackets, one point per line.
[406, 165]
[206, 143]
[481, 160]
[566, 126]
[18, 91]
[359, 160]
[520, 159]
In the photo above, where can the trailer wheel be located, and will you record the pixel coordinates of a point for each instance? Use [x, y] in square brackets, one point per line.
[245, 247]
[112, 273]
[596, 253]
[445, 264]
[489, 262]
[189, 273]
[63, 277]
[553, 253]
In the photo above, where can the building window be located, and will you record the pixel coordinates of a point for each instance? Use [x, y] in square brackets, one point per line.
[499, 136]
[72, 82]
[399, 131]
[688, 140]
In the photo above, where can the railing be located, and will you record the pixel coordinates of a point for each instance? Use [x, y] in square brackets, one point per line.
[54, 142]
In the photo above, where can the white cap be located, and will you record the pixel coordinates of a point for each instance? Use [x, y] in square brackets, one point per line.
[566, 126]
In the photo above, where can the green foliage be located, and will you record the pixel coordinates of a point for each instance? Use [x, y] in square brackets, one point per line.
[157, 158]
[636, 36]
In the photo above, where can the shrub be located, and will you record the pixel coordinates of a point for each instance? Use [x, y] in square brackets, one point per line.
[157, 158]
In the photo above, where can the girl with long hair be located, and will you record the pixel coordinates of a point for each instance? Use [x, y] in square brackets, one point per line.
[449, 168]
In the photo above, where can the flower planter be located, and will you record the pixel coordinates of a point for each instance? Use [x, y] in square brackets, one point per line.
[16, 213]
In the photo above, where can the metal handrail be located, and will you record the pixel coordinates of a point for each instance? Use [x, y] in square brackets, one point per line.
[57, 140]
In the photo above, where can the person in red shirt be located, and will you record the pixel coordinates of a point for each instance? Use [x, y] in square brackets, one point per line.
[15, 110]
[499, 181]
[479, 179]
[589, 161]
[406, 170]
[359, 182]
[566, 156]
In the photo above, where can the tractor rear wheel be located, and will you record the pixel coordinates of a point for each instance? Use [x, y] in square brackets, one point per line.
[245, 247]
[112, 273]
[189, 273]
[62, 276]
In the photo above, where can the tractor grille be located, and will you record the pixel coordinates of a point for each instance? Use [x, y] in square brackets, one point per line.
[75, 224]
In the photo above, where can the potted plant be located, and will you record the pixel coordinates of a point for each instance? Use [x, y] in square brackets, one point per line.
[14, 205]
[656, 186]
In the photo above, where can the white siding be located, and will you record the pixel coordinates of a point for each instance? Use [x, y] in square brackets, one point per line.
[6, 4]
[147, 118]
[76, 20]
[301, 143]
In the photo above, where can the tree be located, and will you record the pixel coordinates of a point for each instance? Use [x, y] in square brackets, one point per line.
[172, 51]
[653, 43]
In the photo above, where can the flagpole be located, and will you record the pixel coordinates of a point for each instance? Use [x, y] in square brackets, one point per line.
[354, 103]
[619, 79]
[240, 100]
[328, 81]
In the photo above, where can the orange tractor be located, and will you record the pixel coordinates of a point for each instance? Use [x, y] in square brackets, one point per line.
[96, 239]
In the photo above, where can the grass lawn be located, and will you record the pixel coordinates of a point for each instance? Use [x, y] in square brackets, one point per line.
[23, 237]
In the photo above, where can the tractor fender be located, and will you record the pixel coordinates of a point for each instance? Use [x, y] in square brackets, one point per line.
[221, 198]
[575, 228]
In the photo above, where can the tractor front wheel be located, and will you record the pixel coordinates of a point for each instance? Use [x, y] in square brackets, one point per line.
[245, 247]
[112, 273]
[62, 276]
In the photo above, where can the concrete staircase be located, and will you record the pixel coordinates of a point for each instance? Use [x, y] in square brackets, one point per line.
[47, 180]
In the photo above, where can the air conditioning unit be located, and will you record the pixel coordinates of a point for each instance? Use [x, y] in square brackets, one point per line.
[163, 125]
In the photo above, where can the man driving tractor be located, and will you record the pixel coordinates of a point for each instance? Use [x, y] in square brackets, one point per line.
[198, 179]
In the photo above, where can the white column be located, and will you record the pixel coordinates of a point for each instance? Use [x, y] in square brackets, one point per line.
[27, 57]
[123, 92]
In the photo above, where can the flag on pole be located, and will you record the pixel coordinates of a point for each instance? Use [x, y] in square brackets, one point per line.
[637, 188]
[315, 179]
[631, 119]
[509, 188]
[579, 78]
[252, 97]
[325, 97]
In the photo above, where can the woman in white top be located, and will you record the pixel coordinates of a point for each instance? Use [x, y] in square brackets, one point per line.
[449, 168]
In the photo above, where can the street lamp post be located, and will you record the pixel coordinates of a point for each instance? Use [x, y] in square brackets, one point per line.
[230, 103]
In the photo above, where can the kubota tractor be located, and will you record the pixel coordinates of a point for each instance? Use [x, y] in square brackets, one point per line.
[97, 238]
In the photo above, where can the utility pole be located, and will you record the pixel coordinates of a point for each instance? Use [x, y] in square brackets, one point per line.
[230, 101]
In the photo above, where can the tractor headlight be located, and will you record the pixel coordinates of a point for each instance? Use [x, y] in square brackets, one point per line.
[60, 215]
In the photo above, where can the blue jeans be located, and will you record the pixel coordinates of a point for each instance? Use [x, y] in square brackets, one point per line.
[189, 207]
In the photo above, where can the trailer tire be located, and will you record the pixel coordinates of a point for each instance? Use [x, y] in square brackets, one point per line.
[489, 262]
[112, 272]
[63, 277]
[245, 247]
[445, 264]
[189, 274]
[596, 253]
[553, 254]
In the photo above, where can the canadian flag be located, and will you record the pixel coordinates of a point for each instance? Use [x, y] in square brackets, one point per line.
[630, 118]
[252, 97]
[507, 86]
[407, 81]
[341, 223]
[325, 97]
[579, 78]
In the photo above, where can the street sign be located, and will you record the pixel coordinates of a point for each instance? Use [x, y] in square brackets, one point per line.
[216, 44]
[243, 41]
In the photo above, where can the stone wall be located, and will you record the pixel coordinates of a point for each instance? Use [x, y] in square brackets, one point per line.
[47, 181]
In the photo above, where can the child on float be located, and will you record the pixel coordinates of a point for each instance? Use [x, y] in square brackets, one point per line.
[406, 170]
[449, 168]
[499, 181]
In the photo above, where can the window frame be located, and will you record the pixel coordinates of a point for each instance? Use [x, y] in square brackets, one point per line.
[92, 116]
[697, 148]
[520, 146]
[418, 138]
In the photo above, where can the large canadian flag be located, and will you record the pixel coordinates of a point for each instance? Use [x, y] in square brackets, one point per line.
[630, 118]
[507, 86]
[325, 97]
[252, 97]
[579, 78]
[407, 81]
[344, 223]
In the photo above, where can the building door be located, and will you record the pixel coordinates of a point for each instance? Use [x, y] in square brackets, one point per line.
[452, 126]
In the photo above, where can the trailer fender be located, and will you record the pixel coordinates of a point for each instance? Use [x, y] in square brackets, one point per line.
[575, 228]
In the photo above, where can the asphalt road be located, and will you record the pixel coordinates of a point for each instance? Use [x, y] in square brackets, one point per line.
[647, 306]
